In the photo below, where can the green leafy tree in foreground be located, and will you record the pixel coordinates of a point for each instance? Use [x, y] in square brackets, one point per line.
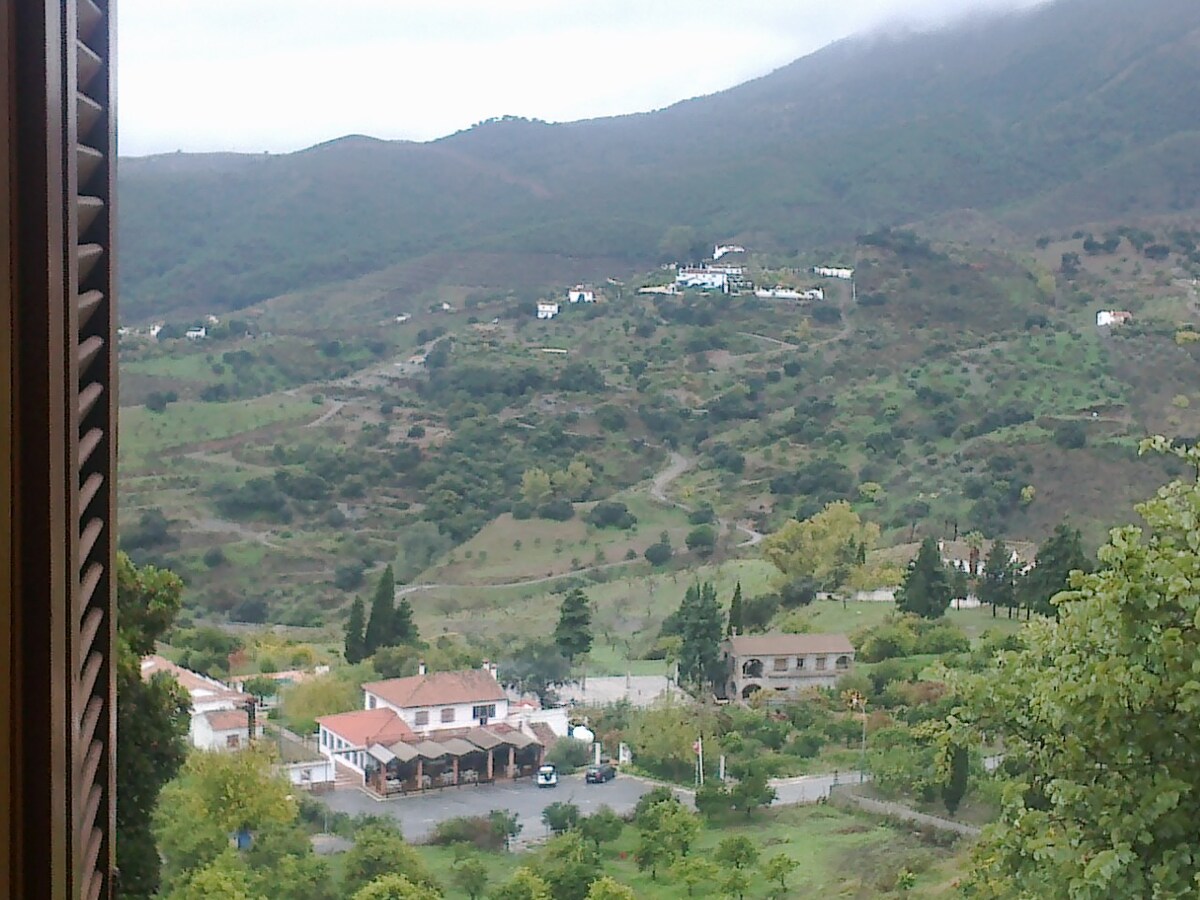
[568, 864]
[735, 884]
[356, 642]
[525, 884]
[152, 719]
[396, 887]
[602, 826]
[608, 888]
[925, 590]
[471, 876]
[224, 877]
[380, 850]
[737, 851]
[694, 872]
[778, 868]
[752, 792]
[1098, 716]
[560, 817]
[573, 634]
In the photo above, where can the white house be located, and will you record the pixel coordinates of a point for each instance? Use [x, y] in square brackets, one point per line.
[665, 289]
[547, 310]
[156, 328]
[218, 711]
[778, 293]
[1109, 317]
[813, 294]
[580, 294]
[702, 278]
[196, 334]
[345, 737]
[721, 249]
[441, 700]
[833, 272]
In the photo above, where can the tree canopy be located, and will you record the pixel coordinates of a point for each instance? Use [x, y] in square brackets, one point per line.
[1061, 554]
[701, 629]
[573, 634]
[1097, 717]
[926, 589]
[826, 548]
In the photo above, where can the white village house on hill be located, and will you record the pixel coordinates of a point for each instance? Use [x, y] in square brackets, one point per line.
[439, 729]
[220, 718]
[833, 272]
[580, 294]
[547, 310]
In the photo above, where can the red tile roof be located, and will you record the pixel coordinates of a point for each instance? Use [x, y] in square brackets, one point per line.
[364, 727]
[228, 720]
[201, 688]
[439, 689]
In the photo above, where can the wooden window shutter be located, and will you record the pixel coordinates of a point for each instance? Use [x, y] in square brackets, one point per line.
[60, 140]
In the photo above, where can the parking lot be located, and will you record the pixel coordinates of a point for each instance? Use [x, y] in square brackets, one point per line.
[419, 814]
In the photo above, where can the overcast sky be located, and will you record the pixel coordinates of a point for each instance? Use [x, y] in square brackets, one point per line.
[279, 75]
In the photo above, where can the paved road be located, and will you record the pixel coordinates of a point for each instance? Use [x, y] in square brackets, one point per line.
[808, 788]
[418, 815]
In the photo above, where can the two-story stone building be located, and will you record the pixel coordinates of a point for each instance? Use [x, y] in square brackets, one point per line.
[778, 663]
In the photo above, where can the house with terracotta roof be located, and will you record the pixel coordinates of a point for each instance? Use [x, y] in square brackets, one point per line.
[211, 728]
[441, 700]
[781, 663]
[345, 737]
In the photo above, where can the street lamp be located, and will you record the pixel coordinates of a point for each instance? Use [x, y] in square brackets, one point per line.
[858, 701]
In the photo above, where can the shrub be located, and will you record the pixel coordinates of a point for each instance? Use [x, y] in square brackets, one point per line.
[658, 554]
[702, 540]
[569, 755]
[611, 514]
[558, 510]
[1070, 435]
[702, 515]
[474, 830]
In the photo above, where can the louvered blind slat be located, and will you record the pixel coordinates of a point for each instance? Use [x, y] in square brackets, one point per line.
[87, 492]
[89, 349]
[91, 718]
[87, 446]
[89, 66]
[91, 671]
[89, 162]
[90, 20]
[88, 397]
[89, 114]
[87, 588]
[89, 211]
[88, 255]
[88, 303]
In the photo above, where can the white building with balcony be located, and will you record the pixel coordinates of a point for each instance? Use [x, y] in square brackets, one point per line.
[783, 663]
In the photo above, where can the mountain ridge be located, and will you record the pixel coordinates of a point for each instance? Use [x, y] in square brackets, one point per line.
[1013, 115]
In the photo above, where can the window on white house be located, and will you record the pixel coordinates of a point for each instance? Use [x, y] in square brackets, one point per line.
[820, 662]
[370, 702]
[421, 717]
[799, 662]
[484, 711]
[448, 714]
[781, 664]
[233, 740]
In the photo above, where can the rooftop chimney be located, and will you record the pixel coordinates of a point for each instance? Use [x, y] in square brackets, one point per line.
[421, 667]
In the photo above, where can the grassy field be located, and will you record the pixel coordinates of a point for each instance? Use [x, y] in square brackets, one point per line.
[840, 854]
[147, 437]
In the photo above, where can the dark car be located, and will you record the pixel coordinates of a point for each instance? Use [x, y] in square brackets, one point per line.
[600, 774]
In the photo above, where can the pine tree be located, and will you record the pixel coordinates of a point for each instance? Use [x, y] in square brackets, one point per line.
[700, 629]
[996, 586]
[573, 634]
[926, 588]
[1056, 559]
[379, 628]
[404, 629]
[356, 648]
[735, 612]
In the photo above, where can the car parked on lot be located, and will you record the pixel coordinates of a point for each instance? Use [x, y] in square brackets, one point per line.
[547, 776]
[600, 774]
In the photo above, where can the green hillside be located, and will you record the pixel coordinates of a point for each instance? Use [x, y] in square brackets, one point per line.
[1080, 110]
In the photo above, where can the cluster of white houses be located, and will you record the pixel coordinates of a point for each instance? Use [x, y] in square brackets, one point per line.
[439, 729]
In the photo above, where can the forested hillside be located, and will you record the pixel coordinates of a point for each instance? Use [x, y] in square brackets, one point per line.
[1081, 110]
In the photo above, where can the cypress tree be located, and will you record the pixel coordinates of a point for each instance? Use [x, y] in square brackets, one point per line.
[926, 589]
[700, 629]
[379, 628]
[404, 629]
[573, 634]
[356, 648]
[735, 612]
[996, 586]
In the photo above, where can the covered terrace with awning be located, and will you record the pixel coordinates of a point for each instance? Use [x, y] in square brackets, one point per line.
[477, 756]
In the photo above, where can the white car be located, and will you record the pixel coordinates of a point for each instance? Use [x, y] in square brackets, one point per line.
[547, 776]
